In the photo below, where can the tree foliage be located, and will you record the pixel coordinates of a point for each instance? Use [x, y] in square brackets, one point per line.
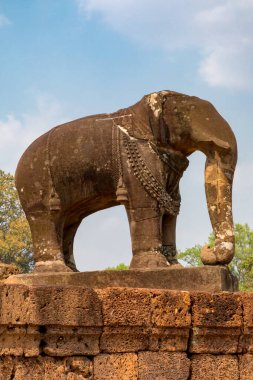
[15, 236]
[191, 256]
[120, 266]
[242, 264]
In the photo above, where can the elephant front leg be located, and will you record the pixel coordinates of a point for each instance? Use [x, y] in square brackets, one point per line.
[146, 236]
[47, 243]
[169, 239]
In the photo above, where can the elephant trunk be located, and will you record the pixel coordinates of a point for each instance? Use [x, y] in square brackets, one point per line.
[219, 172]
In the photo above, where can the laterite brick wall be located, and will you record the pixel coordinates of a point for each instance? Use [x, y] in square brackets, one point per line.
[75, 333]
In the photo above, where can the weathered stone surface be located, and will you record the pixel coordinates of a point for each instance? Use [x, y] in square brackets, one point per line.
[19, 340]
[44, 368]
[7, 270]
[246, 341]
[171, 309]
[126, 307]
[217, 323]
[160, 319]
[206, 278]
[169, 339]
[6, 368]
[166, 311]
[215, 340]
[133, 320]
[126, 333]
[246, 367]
[115, 367]
[125, 339]
[163, 366]
[57, 341]
[118, 320]
[210, 367]
[171, 321]
[144, 366]
[221, 309]
[53, 341]
[75, 306]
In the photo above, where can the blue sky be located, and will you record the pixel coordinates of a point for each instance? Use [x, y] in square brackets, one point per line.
[65, 59]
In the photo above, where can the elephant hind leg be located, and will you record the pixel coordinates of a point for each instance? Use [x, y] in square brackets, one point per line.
[47, 243]
[69, 232]
[146, 236]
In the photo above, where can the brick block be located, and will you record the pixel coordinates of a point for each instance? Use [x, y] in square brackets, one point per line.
[163, 366]
[217, 322]
[125, 306]
[124, 339]
[246, 341]
[215, 340]
[171, 309]
[246, 367]
[216, 310]
[171, 320]
[115, 367]
[210, 367]
[169, 339]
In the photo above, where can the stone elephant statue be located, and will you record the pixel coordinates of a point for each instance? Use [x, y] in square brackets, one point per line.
[135, 157]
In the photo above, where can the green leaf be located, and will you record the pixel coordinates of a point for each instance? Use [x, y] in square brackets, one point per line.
[15, 235]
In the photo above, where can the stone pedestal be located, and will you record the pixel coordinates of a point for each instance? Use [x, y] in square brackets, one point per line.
[206, 278]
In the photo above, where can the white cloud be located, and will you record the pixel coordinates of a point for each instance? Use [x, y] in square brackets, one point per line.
[227, 42]
[17, 133]
[220, 30]
[4, 21]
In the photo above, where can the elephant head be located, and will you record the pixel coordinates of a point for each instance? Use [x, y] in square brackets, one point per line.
[188, 124]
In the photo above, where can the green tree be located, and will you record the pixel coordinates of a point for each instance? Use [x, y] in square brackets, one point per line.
[15, 236]
[191, 256]
[120, 266]
[242, 264]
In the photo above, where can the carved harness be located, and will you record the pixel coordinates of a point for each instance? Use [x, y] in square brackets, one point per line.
[168, 198]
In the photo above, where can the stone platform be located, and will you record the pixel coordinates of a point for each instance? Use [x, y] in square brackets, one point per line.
[77, 333]
[206, 278]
